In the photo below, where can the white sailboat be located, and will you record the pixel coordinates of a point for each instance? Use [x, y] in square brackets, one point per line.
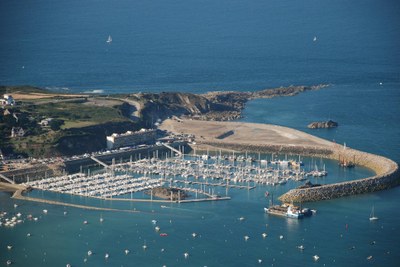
[109, 40]
[372, 216]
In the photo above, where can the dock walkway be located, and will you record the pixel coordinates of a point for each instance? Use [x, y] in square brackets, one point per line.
[7, 179]
[173, 149]
[100, 162]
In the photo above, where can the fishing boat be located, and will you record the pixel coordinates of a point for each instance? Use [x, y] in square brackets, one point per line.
[372, 216]
[286, 211]
[109, 39]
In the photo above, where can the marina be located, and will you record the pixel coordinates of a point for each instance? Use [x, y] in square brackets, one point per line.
[198, 175]
[119, 53]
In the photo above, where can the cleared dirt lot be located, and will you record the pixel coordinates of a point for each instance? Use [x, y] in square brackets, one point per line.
[243, 133]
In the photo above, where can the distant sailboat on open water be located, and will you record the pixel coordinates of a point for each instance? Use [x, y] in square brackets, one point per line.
[109, 40]
[372, 216]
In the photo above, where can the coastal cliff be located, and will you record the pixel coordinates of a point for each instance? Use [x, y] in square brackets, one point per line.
[80, 122]
[215, 106]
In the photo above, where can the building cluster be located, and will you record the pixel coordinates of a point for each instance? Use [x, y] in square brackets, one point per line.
[7, 100]
[144, 136]
[45, 122]
[17, 132]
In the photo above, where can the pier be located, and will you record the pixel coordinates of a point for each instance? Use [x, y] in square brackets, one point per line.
[6, 179]
[100, 162]
[191, 173]
[173, 149]
[219, 184]
[266, 138]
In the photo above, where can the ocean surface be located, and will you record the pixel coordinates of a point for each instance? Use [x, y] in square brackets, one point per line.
[199, 46]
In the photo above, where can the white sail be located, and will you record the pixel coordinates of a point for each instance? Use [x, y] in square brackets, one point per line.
[372, 216]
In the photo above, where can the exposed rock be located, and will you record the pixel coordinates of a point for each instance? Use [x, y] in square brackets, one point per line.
[308, 184]
[213, 106]
[323, 124]
[168, 193]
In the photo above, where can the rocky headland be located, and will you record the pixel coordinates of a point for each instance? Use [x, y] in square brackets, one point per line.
[215, 106]
[80, 122]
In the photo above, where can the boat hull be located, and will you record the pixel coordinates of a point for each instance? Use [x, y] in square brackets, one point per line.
[284, 213]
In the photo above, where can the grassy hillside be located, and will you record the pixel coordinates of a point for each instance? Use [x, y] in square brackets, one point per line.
[78, 123]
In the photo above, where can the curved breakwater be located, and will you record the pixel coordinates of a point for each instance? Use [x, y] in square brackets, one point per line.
[386, 171]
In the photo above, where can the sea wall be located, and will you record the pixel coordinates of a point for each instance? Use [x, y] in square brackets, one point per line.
[74, 165]
[387, 174]
[311, 151]
[30, 174]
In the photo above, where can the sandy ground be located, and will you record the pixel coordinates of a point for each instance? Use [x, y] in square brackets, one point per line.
[31, 96]
[244, 133]
[10, 187]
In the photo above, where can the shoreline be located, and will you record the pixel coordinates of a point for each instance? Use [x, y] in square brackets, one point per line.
[278, 139]
[17, 191]
[18, 195]
[265, 138]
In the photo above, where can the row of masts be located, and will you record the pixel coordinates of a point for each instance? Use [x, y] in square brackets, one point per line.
[192, 173]
[103, 185]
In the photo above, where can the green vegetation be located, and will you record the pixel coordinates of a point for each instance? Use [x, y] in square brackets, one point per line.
[76, 124]
[77, 114]
[26, 89]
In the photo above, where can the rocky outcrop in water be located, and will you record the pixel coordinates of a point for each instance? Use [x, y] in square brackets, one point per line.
[172, 194]
[323, 124]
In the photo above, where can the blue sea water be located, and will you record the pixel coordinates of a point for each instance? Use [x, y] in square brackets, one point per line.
[203, 45]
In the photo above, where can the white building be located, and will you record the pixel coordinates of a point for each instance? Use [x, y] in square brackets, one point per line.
[17, 132]
[45, 122]
[7, 100]
[131, 138]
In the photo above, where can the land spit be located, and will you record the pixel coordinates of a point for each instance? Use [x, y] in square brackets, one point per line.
[277, 139]
[19, 189]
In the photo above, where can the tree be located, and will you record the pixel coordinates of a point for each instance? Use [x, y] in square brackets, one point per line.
[55, 124]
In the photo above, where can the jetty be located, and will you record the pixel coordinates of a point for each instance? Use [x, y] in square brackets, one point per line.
[203, 174]
[100, 162]
[264, 138]
[172, 149]
[6, 179]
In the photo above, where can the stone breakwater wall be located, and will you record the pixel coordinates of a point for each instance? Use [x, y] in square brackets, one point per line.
[311, 151]
[387, 174]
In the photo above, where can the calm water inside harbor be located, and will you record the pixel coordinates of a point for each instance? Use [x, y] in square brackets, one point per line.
[198, 46]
